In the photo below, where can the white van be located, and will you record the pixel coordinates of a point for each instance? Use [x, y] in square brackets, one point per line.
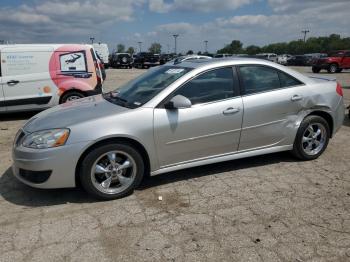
[103, 52]
[34, 77]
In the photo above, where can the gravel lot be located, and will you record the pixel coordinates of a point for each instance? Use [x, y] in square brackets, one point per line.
[267, 208]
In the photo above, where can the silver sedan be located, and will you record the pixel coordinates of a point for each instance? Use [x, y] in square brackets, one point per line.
[175, 117]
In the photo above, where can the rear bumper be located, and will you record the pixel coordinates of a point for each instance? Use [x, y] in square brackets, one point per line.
[339, 116]
[96, 91]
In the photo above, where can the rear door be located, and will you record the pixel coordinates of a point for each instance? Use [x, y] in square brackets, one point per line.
[272, 100]
[26, 79]
[346, 60]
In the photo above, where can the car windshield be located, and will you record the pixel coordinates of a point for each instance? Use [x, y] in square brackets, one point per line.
[141, 90]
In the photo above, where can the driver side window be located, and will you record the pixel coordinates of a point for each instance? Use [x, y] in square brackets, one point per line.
[214, 85]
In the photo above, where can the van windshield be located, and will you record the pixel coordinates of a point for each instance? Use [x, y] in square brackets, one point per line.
[142, 89]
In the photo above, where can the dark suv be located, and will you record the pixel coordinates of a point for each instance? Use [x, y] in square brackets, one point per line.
[121, 60]
[146, 60]
[335, 62]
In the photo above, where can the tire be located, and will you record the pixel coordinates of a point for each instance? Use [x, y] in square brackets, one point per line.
[316, 70]
[339, 70]
[305, 138]
[333, 68]
[71, 96]
[114, 183]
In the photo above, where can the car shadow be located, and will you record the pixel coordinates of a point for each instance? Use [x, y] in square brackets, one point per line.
[18, 193]
[17, 116]
[346, 120]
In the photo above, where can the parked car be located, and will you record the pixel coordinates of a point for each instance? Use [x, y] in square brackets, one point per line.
[268, 56]
[283, 59]
[334, 63]
[103, 52]
[222, 55]
[175, 117]
[36, 77]
[298, 60]
[164, 58]
[188, 58]
[146, 60]
[121, 60]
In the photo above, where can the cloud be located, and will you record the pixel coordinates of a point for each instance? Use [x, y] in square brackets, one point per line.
[51, 20]
[161, 6]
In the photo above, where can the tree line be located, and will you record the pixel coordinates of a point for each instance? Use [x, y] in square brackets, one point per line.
[323, 44]
[155, 48]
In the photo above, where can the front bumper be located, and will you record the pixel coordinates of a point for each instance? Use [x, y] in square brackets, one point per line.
[321, 66]
[54, 167]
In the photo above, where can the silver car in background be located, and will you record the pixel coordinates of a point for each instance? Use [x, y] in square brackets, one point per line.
[175, 117]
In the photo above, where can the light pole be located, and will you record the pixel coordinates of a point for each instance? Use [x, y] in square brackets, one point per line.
[92, 39]
[140, 46]
[175, 37]
[305, 32]
[206, 46]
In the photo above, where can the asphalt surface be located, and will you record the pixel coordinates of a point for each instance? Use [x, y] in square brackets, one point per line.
[266, 208]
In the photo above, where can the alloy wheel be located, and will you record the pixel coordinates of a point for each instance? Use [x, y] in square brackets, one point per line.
[113, 172]
[314, 139]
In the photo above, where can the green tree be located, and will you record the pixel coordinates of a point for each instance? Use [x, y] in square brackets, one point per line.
[120, 48]
[234, 48]
[155, 48]
[253, 50]
[190, 52]
[131, 50]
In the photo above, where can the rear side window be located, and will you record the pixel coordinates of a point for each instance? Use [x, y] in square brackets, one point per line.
[73, 62]
[259, 79]
[287, 80]
[210, 86]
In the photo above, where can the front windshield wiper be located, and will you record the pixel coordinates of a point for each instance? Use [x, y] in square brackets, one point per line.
[113, 97]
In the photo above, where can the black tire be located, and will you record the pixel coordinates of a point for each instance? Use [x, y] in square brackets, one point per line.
[316, 70]
[94, 155]
[333, 68]
[70, 96]
[298, 147]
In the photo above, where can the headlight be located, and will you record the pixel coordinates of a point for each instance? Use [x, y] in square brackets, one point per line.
[46, 138]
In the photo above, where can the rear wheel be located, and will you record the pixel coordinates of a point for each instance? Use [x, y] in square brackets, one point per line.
[111, 171]
[312, 138]
[71, 96]
[316, 70]
[333, 68]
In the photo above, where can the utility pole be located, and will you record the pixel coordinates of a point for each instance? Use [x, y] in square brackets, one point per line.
[206, 46]
[168, 48]
[140, 46]
[305, 32]
[92, 39]
[175, 37]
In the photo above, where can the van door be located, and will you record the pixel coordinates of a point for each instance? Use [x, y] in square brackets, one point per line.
[26, 80]
[2, 97]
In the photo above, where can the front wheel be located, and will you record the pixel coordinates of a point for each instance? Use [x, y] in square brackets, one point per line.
[316, 70]
[111, 171]
[312, 138]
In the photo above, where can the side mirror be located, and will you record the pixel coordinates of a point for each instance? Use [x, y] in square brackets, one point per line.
[178, 102]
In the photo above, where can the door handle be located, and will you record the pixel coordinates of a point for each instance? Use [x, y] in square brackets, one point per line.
[12, 82]
[231, 110]
[296, 98]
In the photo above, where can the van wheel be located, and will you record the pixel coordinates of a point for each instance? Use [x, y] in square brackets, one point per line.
[312, 138]
[70, 96]
[111, 171]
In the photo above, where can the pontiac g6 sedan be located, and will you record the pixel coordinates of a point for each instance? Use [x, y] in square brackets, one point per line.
[175, 117]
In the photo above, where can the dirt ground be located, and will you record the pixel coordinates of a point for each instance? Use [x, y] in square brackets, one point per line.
[267, 208]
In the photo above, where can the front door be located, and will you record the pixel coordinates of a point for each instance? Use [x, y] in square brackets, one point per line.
[210, 127]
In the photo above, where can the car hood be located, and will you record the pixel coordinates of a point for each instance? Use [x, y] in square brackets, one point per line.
[71, 113]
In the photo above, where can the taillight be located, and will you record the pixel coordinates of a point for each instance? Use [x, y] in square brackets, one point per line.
[339, 90]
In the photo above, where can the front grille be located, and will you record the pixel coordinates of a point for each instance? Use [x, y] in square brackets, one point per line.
[36, 177]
